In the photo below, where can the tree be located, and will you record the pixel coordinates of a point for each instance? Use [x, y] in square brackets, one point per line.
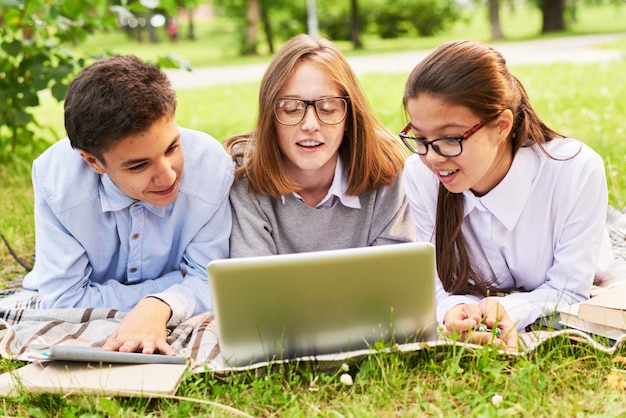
[246, 14]
[552, 15]
[141, 15]
[267, 27]
[34, 57]
[253, 17]
[285, 18]
[494, 20]
[412, 17]
[355, 26]
[189, 6]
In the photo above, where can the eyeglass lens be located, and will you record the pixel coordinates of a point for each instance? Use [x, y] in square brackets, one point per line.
[330, 111]
[446, 146]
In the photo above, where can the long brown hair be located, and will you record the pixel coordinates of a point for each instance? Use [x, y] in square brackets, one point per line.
[473, 75]
[371, 154]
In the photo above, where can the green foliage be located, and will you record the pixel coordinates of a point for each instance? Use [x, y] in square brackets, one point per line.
[33, 58]
[561, 378]
[377, 17]
[38, 57]
[410, 17]
[236, 10]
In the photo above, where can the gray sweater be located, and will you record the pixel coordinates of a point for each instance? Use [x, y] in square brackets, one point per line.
[263, 225]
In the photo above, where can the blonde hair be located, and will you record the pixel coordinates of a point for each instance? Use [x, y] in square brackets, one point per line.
[371, 154]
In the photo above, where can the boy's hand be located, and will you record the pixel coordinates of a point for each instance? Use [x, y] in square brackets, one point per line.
[143, 329]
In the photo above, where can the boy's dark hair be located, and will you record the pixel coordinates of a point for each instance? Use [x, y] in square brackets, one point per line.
[114, 98]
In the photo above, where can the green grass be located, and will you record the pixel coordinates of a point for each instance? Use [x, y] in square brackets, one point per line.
[561, 378]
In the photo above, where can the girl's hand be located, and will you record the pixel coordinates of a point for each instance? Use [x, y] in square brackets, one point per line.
[483, 323]
[495, 316]
[462, 318]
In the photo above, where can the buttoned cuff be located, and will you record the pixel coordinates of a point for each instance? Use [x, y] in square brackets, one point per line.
[179, 313]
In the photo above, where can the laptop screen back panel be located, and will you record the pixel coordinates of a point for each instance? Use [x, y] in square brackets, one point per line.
[295, 305]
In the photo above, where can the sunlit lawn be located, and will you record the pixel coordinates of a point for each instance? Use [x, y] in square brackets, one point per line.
[561, 379]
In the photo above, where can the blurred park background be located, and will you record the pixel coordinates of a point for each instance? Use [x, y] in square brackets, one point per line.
[45, 43]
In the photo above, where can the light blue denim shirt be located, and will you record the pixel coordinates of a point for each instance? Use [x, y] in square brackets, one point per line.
[97, 247]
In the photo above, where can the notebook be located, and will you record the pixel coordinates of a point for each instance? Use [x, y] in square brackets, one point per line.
[71, 378]
[291, 306]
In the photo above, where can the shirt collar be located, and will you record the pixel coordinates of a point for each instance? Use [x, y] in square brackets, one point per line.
[337, 188]
[506, 201]
[112, 198]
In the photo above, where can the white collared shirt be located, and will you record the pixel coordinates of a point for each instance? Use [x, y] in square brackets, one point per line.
[337, 191]
[540, 232]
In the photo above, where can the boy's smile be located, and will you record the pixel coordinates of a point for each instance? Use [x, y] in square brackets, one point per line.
[147, 166]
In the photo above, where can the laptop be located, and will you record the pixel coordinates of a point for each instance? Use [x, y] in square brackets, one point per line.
[290, 306]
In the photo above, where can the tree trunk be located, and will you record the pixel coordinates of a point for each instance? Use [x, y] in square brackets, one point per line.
[494, 20]
[152, 33]
[191, 33]
[252, 28]
[355, 27]
[553, 15]
[267, 28]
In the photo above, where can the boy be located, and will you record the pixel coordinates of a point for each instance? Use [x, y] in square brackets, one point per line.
[130, 208]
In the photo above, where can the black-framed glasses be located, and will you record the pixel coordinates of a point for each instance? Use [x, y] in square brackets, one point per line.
[329, 110]
[451, 146]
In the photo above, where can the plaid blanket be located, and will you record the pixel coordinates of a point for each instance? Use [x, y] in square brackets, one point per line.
[23, 322]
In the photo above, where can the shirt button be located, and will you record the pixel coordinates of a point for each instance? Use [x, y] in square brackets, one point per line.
[135, 236]
[133, 270]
